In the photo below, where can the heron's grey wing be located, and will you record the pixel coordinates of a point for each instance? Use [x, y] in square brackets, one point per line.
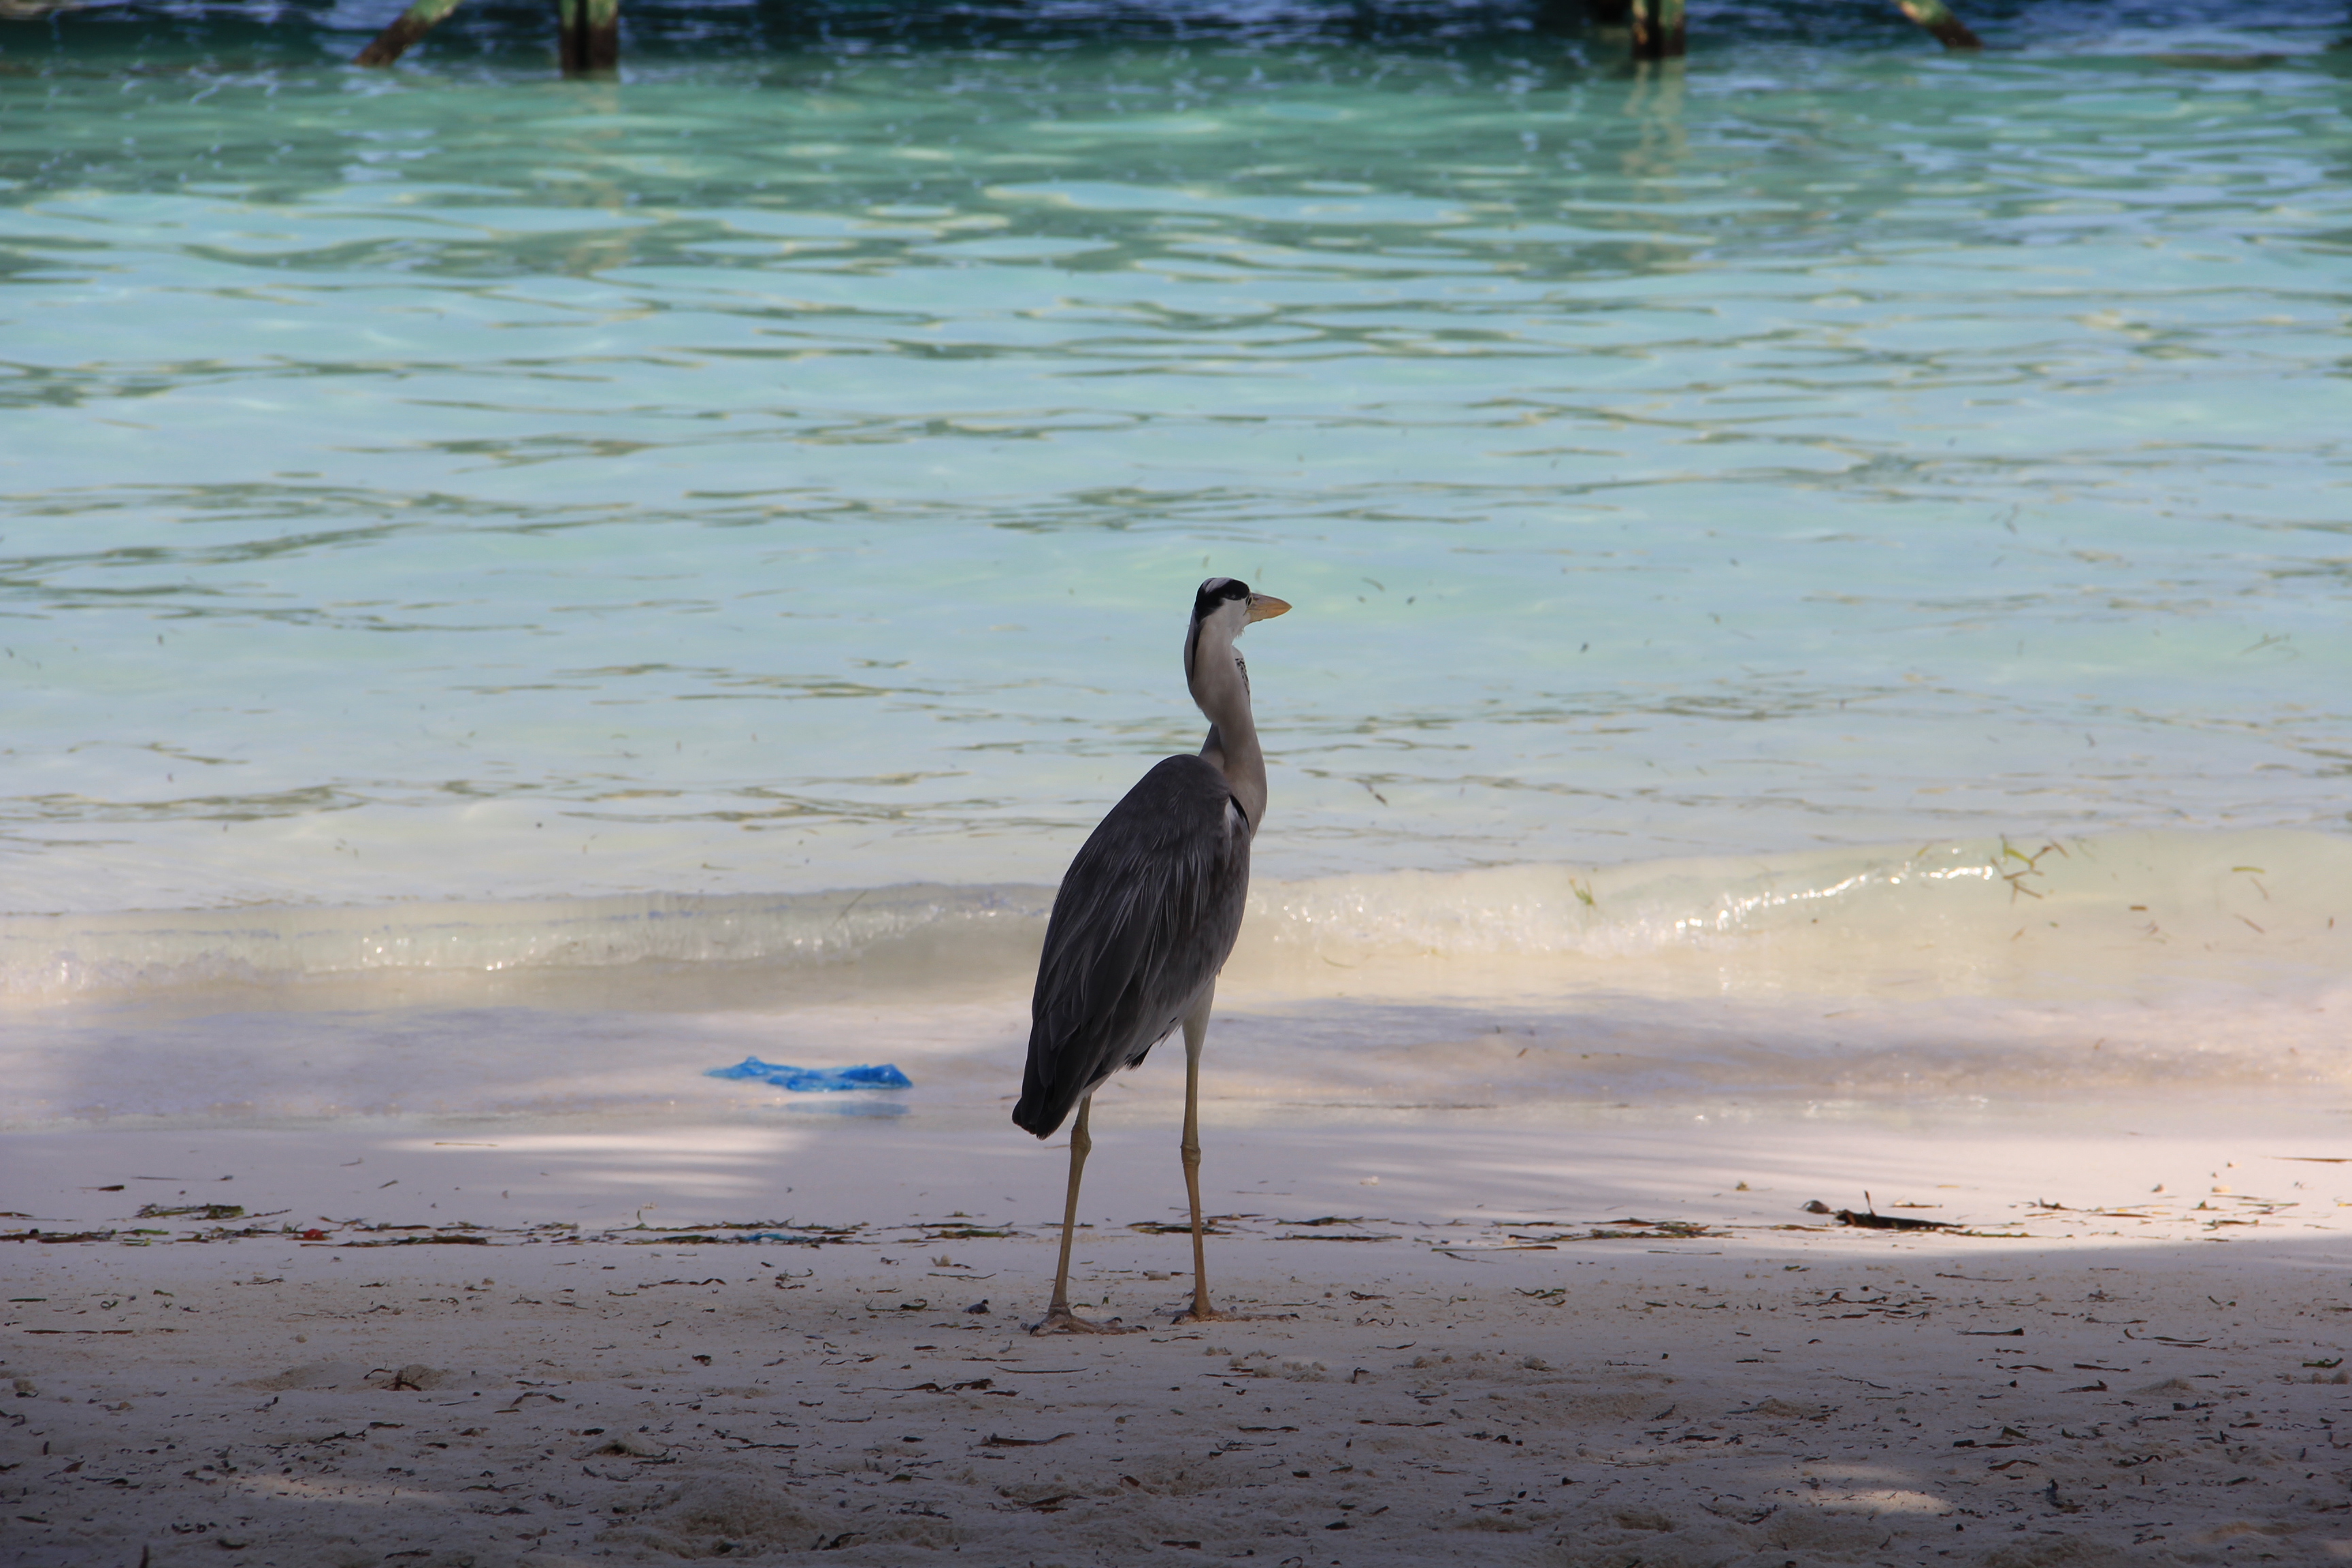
[1145, 918]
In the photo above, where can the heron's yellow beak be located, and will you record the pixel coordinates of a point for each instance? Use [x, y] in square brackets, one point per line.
[1265, 606]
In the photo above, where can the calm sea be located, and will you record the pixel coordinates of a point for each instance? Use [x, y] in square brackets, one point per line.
[1821, 572]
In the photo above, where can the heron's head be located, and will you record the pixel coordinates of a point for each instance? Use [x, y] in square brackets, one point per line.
[1225, 606]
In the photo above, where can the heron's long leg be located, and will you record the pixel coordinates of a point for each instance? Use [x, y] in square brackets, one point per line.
[1196, 1035]
[1058, 1316]
[1081, 1144]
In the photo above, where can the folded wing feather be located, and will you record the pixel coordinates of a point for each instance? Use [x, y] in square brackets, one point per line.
[1145, 919]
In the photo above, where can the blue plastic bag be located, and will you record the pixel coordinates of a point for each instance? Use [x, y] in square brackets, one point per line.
[815, 1080]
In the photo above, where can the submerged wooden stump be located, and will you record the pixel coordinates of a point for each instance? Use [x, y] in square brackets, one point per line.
[413, 23]
[1938, 18]
[588, 34]
[1657, 29]
[591, 37]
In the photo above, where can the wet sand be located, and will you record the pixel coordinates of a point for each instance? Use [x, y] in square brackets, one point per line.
[423, 1372]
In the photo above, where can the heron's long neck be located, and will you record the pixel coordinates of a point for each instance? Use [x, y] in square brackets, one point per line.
[1232, 745]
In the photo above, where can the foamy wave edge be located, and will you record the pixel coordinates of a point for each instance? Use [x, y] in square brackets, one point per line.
[1977, 915]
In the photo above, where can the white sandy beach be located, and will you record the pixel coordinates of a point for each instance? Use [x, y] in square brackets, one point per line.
[1814, 698]
[1462, 1346]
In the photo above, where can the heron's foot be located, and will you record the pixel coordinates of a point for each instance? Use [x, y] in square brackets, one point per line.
[1062, 1321]
[1201, 1313]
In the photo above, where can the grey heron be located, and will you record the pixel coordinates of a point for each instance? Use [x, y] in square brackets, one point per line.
[1145, 919]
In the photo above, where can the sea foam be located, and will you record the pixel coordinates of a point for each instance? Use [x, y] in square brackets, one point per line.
[2124, 915]
[1994, 971]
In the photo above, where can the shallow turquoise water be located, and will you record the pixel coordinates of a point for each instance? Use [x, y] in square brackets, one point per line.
[788, 467]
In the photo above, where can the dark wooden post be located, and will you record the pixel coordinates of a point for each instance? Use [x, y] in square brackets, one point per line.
[1938, 18]
[1658, 29]
[413, 23]
[591, 36]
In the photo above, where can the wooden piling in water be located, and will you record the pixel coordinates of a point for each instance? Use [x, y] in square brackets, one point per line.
[590, 30]
[1936, 18]
[1659, 32]
[591, 40]
[1658, 29]
[413, 23]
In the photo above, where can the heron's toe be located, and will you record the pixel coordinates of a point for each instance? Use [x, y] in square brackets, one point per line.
[1205, 1315]
[1214, 1315]
[1069, 1322]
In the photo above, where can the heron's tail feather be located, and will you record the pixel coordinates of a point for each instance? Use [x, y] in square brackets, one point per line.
[1032, 1118]
[1043, 1105]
